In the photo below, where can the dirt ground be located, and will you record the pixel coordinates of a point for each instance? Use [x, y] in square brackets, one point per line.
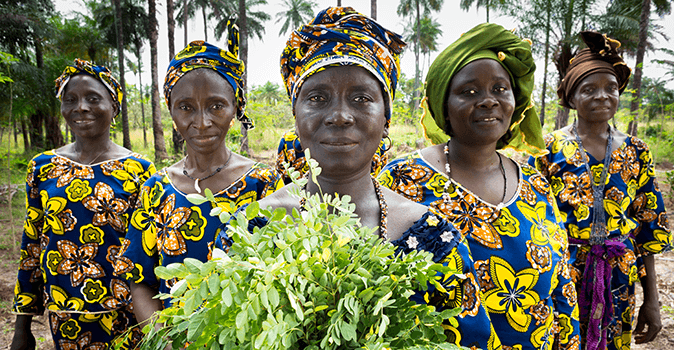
[9, 256]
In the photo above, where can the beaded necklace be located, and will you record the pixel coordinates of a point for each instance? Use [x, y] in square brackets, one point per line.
[598, 232]
[445, 192]
[197, 179]
[383, 207]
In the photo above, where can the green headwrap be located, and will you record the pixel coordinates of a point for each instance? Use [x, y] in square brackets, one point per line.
[486, 40]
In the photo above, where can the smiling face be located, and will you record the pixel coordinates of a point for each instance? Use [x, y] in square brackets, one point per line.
[480, 102]
[87, 107]
[340, 117]
[596, 97]
[202, 108]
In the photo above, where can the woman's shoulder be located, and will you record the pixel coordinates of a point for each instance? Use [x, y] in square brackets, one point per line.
[402, 213]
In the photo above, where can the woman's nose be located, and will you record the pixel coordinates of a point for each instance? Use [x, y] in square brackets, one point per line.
[340, 115]
[202, 119]
[488, 101]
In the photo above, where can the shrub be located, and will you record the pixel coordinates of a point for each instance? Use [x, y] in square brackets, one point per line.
[310, 280]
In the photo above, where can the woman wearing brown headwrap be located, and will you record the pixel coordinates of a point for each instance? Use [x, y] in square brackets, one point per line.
[606, 189]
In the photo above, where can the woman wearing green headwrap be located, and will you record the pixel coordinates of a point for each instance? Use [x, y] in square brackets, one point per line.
[478, 100]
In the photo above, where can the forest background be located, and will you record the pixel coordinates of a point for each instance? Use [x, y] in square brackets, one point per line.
[137, 38]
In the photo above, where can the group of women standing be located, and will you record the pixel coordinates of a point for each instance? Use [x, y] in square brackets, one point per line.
[549, 251]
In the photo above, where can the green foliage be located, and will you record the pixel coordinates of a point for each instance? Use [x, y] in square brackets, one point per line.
[309, 280]
[669, 179]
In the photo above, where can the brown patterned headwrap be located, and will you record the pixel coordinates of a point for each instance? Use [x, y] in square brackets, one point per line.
[600, 56]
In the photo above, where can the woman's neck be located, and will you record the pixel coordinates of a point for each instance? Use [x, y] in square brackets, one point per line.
[201, 162]
[88, 148]
[358, 186]
[471, 156]
[590, 130]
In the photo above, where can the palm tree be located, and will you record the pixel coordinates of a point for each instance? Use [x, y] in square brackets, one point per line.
[187, 10]
[159, 145]
[171, 24]
[373, 9]
[486, 4]
[414, 8]
[298, 12]
[430, 31]
[120, 61]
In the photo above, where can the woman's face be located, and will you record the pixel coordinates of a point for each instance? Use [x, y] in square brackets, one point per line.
[202, 108]
[596, 97]
[87, 107]
[340, 117]
[480, 102]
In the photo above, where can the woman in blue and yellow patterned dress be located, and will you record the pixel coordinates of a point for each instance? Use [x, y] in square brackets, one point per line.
[204, 93]
[78, 202]
[604, 182]
[478, 91]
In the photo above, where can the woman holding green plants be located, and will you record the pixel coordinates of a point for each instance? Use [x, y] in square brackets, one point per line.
[604, 182]
[478, 101]
[204, 93]
[77, 200]
[341, 72]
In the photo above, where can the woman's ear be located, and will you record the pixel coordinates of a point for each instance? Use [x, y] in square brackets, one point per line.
[571, 103]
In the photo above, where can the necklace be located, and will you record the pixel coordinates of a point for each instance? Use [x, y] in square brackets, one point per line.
[383, 207]
[197, 179]
[598, 232]
[448, 169]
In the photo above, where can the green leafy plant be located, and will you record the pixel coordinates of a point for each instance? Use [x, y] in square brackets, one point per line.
[314, 279]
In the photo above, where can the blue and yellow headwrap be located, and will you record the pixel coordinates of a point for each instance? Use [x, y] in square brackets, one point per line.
[200, 54]
[101, 73]
[341, 36]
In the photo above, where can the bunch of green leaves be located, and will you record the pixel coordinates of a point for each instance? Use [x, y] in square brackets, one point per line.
[315, 279]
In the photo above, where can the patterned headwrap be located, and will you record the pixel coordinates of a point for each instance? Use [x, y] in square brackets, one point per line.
[600, 56]
[341, 36]
[492, 41]
[199, 54]
[102, 73]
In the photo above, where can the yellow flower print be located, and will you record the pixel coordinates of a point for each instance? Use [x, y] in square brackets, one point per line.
[91, 234]
[78, 189]
[647, 170]
[557, 185]
[663, 242]
[105, 320]
[565, 328]
[634, 276]
[32, 224]
[582, 212]
[623, 342]
[53, 207]
[513, 293]
[566, 145]
[632, 188]
[53, 260]
[596, 174]
[437, 184]
[62, 301]
[541, 227]
[193, 228]
[616, 216]
[144, 220]
[542, 337]
[133, 175]
[226, 204]
[627, 315]
[70, 329]
[494, 341]
[507, 224]
[23, 302]
[576, 233]
[93, 290]
[245, 198]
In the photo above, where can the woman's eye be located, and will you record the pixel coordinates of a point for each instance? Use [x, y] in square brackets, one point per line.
[316, 98]
[218, 106]
[361, 99]
[469, 92]
[184, 107]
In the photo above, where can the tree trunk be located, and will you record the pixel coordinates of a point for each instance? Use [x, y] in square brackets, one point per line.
[416, 60]
[142, 100]
[53, 136]
[487, 8]
[185, 8]
[548, 11]
[24, 133]
[373, 9]
[339, 3]
[562, 118]
[120, 62]
[16, 140]
[36, 135]
[159, 145]
[203, 14]
[171, 25]
[243, 38]
[638, 69]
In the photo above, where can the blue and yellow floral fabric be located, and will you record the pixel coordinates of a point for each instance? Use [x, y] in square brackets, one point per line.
[76, 222]
[519, 253]
[166, 227]
[634, 207]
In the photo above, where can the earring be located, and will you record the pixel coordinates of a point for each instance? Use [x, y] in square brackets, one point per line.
[390, 143]
[175, 127]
